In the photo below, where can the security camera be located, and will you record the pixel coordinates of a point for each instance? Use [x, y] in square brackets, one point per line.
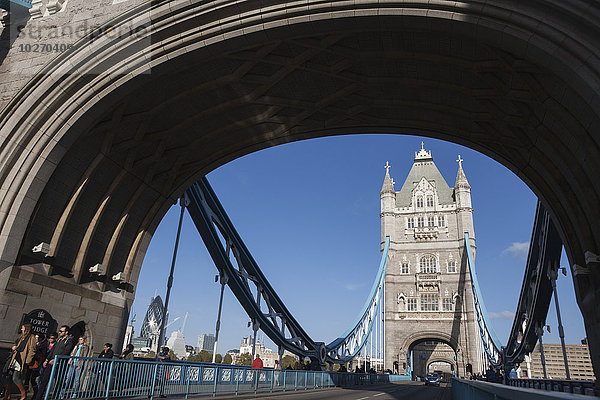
[120, 277]
[43, 248]
[97, 269]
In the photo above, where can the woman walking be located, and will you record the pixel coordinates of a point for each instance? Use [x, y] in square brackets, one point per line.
[19, 360]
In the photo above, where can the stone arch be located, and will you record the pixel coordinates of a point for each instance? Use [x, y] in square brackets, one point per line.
[440, 359]
[507, 80]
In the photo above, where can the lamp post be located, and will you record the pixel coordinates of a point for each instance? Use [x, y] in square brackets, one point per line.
[553, 272]
[183, 202]
[223, 279]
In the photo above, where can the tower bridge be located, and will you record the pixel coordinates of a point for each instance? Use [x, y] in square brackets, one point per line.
[111, 109]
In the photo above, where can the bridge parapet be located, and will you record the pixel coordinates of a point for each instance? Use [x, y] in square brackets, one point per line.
[463, 389]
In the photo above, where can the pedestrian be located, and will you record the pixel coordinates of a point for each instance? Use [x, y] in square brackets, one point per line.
[21, 356]
[62, 347]
[77, 366]
[107, 352]
[128, 353]
[41, 349]
[257, 366]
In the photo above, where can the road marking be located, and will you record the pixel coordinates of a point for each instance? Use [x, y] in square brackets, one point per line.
[380, 394]
[363, 398]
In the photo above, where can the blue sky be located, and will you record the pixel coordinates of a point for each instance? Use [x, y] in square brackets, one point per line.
[309, 213]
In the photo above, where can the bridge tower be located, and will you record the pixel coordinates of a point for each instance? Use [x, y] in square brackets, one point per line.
[428, 294]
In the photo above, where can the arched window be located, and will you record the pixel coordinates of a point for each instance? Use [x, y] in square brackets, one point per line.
[427, 264]
[429, 201]
[419, 201]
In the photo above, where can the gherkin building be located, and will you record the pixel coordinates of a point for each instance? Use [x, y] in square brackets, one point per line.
[153, 320]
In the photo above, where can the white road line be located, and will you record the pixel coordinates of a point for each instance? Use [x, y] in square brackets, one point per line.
[363, 398]
[380, 394]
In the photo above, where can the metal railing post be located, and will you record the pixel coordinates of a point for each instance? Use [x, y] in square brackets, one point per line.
[110, 369]
[284, 377]
[154, 380]
[52, 372]
[216, 379]
[296, 382]
[187, 376]
[272, 380]
[305, 380]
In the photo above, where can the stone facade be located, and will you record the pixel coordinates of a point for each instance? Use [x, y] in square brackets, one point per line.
[428, 295]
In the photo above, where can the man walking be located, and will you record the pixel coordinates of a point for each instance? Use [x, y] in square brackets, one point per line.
[63, 347]
[257, 366]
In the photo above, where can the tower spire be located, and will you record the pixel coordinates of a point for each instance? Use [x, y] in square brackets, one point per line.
[461, 178]
[388, 182]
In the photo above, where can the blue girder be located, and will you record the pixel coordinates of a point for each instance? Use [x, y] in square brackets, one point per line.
[265, 308]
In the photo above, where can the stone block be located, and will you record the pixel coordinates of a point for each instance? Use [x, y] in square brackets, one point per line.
[12, 298]
[72, 299]
[93, 305]
[3, 310]
[114, 322]
[33, 303]
[114, 299]
[112, 310]
[25, 275]
[77, 313]
[28, 288]
[61, 313]
[91, 316]
[52, 294]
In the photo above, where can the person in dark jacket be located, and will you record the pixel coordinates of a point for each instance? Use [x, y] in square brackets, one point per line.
[41, 350]
[63, 347]
[107, 352]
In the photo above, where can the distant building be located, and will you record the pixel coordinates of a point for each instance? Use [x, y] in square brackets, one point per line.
[268, 356]
[177, 343]
[153, 321]
[206, 341]
[578, 357]
[141, 346]
[129, 332]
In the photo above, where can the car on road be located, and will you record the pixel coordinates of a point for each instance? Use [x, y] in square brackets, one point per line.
[432, 380]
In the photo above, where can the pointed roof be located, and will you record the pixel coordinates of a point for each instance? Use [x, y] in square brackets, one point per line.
[461, 178]
[388, 182]
[424, 167]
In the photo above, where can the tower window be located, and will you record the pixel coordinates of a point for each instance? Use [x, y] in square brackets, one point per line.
[430, 221]
[428, 264]
[429, 201]
[411, 223]
[404, 268]
[421, 222]
[441, 221]
[419, 201]
[429, 302]
[452, 266]
[411, 304]
[446, 304]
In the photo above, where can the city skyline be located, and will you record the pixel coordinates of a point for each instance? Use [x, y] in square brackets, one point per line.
[328, 191]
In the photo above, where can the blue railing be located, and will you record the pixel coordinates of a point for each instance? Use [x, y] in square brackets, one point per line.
[100, 378]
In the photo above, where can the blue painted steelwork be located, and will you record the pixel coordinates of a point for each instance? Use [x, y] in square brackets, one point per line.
[101, 378]
[536, 291]
[490, 341]
[265, 308]
[7, 4]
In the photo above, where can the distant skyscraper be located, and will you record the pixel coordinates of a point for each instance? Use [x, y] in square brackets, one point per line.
[177, 343]
[206, 341]
[152, 321]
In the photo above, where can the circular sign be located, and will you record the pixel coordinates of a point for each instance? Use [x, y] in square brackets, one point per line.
[41, 322]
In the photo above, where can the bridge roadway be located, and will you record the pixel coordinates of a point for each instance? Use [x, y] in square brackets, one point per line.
[387, 391]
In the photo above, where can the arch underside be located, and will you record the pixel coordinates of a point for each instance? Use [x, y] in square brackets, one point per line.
[112, 151]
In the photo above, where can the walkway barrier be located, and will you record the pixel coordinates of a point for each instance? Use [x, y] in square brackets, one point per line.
[100, 378]
[556, 385]
[463, 389]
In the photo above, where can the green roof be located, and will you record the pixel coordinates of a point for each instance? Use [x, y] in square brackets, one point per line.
[428, 170]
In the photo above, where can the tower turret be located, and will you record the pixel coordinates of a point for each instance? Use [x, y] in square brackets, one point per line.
[462, 196]
[388, 201]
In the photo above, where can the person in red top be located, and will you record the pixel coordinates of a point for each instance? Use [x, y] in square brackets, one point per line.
[257, 363]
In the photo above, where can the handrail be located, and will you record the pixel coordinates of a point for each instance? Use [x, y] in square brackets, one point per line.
[486, 329]
[102, 378]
